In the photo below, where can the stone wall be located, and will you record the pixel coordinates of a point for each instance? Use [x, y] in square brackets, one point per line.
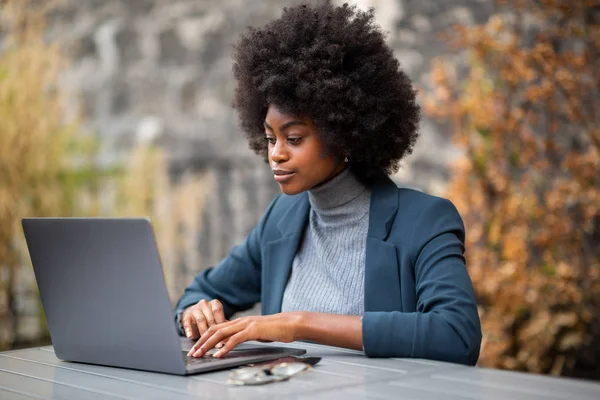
[160, 71]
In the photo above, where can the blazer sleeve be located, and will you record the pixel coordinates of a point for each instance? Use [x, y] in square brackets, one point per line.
[235, 281]
[446, 323]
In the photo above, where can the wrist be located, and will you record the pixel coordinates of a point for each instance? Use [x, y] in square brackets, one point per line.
[300, 325]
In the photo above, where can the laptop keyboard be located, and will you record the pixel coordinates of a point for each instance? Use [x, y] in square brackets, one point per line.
[205, 359]
[245, 356]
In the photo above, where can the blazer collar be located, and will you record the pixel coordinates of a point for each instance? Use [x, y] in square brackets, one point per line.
[295, 218]
[384, 206]
[279, 254]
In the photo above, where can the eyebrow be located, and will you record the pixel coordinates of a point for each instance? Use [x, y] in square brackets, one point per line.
[286, 125]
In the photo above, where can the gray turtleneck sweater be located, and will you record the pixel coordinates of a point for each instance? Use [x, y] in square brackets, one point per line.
[328, 271]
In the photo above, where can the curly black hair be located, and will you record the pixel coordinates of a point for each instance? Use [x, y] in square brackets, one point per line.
[331, 64]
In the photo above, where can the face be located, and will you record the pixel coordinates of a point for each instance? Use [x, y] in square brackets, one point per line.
[297, 156]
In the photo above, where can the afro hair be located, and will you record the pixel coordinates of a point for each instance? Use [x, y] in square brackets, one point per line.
[331, 64]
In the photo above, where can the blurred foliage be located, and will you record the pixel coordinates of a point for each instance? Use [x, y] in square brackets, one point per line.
[48, 167]
[526, 111]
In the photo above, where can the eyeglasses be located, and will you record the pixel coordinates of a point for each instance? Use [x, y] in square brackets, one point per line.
[280, 370]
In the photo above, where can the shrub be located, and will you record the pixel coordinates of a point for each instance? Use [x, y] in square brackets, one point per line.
[526, 111]
[49, 167]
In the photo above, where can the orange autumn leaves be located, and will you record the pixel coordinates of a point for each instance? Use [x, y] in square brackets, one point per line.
[526, 112]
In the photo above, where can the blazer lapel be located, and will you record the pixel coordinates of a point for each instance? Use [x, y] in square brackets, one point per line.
[382, 279]
[279, 254]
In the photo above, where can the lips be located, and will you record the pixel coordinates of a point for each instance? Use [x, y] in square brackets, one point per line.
[282, 176]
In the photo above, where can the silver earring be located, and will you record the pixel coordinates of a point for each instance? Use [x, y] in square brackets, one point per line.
[346, 159]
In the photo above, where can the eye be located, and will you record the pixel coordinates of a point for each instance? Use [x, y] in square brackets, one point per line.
[294, 140]
[270, 139]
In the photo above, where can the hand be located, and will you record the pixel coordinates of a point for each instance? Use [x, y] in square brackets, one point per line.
[270, 328]
[198, 318]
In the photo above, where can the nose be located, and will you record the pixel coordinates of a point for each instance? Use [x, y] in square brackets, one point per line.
[278, 152]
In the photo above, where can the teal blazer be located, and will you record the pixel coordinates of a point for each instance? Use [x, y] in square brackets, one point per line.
[419, 299]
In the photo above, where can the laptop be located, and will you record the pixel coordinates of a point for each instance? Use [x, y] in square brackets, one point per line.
[102, 288]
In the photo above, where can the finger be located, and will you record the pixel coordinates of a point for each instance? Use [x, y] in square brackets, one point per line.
[233, 341]
[213, 336]
[208, 314]
[217, 309]
[203, 339]
[189, 325]
[194, 347]
[199, 320]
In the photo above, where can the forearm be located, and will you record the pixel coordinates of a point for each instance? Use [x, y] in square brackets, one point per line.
[444, 336]
[330, 329]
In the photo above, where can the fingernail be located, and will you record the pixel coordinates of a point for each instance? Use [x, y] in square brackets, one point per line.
[217, 354]
[219, 345]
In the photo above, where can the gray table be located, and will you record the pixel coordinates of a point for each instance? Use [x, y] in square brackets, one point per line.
[345, 374]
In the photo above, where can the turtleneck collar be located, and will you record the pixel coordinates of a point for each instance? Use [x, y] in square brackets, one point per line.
[341, 189]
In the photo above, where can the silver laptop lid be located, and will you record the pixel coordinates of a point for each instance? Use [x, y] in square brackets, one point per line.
[103, 292]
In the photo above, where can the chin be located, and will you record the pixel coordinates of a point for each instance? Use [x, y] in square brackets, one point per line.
[291, 190]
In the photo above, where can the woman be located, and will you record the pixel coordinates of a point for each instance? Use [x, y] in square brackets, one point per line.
[343, 257]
